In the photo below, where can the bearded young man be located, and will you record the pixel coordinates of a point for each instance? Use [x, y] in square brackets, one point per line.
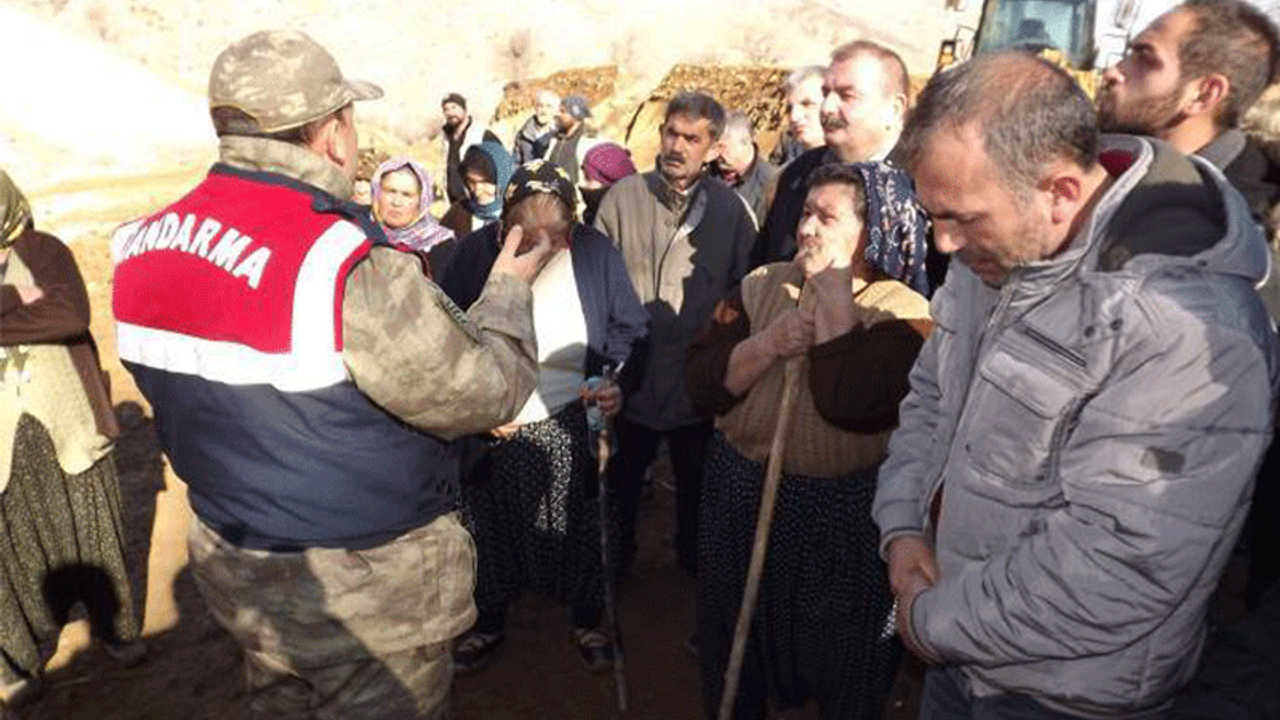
[1189, 78]
[461, 132]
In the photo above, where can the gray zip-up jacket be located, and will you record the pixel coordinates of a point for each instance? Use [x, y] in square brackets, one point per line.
[1094, 427]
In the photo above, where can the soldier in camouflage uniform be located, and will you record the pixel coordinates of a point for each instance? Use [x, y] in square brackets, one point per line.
[306, 379]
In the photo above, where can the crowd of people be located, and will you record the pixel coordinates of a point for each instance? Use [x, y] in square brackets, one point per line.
[1004, 352]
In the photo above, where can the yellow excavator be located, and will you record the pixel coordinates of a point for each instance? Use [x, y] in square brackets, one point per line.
[1081, 36]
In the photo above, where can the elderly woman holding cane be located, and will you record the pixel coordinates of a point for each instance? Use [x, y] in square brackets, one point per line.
[61, 529]
[833, 335]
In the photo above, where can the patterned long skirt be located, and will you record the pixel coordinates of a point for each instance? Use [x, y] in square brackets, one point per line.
[824, 596]
[61, 544]
[534, 516]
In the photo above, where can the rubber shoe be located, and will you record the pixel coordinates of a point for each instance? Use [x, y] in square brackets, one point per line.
[475, 651]
[595, 649]
[129, 654]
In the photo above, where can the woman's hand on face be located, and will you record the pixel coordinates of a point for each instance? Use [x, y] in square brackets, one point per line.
[834, 280]
[790, 333]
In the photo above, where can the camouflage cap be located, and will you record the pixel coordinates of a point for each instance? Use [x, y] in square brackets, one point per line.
[282, 79]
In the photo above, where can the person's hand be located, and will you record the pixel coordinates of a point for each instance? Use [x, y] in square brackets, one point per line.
[902, 620]
[790, 333]
[912, 570]
[28, 293]
[527, 264]
[504, 432]
[835, 281]
[607, 397]
[911, 564]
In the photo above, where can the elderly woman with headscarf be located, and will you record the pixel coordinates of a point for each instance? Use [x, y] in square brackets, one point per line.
[848, 313]
[402, 201]
[61, 529]
[486, 170]
[531, 505]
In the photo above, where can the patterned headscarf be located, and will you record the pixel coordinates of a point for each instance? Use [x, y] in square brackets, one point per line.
[497, 163]
[542, 176]
[424, 232]
[897, 226]
[16, 211]
[607, 163]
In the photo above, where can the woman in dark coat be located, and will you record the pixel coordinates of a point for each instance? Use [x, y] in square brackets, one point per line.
[532, 505]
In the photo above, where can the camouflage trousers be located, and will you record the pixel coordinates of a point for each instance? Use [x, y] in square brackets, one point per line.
[351, 634]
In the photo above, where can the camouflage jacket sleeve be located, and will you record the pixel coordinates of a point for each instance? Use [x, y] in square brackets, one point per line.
[419, 357]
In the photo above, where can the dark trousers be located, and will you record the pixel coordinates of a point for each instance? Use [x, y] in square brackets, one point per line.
[1263, 529]
[945, 698]
[637, 446]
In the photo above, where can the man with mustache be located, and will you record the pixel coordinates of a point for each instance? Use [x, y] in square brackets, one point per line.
[864, 101]
[685, 237]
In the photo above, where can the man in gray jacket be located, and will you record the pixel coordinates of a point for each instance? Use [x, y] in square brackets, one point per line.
[1075, 456]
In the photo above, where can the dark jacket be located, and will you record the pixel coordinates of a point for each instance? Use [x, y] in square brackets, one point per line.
[564, 152]
[754, 187]
[617, 325]
[777, 238]
[531, 142]
[678, 276]
[1249, 169]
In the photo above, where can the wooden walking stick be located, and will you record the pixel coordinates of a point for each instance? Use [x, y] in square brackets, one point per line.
[768, 494]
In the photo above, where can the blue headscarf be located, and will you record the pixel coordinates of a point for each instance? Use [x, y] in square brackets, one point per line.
[495, 162]
[897, 226]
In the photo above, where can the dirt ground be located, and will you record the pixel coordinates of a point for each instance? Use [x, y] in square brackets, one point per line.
[193, 672]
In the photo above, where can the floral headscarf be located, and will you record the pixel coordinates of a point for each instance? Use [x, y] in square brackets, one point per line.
[424, 232]
[542, 176]
[897, 226]
[15, 213]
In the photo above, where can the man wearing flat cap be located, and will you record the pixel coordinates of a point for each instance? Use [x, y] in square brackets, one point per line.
[461, 132]
[306, 379]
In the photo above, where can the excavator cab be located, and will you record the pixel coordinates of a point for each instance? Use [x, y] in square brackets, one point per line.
[1061, 31]
[1065, 26]
[1054, 27]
